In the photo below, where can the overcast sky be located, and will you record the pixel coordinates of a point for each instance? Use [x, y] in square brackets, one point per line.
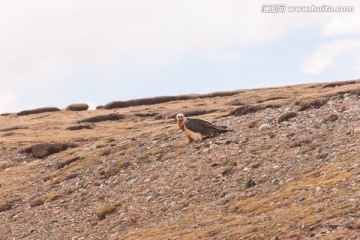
[58, 52]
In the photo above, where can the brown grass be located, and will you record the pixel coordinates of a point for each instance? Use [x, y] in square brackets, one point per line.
[244, 216]
[248, 216]
[107, 209]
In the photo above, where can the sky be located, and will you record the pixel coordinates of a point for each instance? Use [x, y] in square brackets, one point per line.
[59, 52]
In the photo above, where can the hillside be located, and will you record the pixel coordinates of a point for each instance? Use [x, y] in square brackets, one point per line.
[290, 170]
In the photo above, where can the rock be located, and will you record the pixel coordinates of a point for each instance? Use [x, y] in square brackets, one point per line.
[149, 114]
[246, 109]
[334, 226]
[331, 118]
[43, 150]
[147, 190]
[227, 171]
[219, 175]
[125, 164]
[101, 118]
[338, 84]
[160, 117]
[317, 103]
[67, 162]
[287, 116]
[324, 231]
[250, 184]
[38, 110]
[275, 181]
[342, 108]
[256, 165]
[264, 126]
[323, 156]
[164, 99]
[92, 148]
[215, 164]
[105, 153]
[295, 143]
[114, 170]
[100, 107]
[78, 107]
[238, 178]
[37, 202]
[223, 142]
[319, 209]
[268, 218]
[5, 207]
[7, 164]
[79, 127]
[350, 225]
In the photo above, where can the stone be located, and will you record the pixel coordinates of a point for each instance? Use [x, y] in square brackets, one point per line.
[250, 184]
[331, 118]
[77, 107]
[227, 171]
[149, 199]
[105, 153]
[102, 118]
[5, 207]
[37, 202]
[43, 150]
[38, 110]
[80, 127]
[256, 165]
[287, 116]
[264, 126]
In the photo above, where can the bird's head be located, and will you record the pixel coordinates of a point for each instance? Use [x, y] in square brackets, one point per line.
[180, 117]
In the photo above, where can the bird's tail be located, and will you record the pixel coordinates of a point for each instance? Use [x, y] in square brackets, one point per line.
[223, 129]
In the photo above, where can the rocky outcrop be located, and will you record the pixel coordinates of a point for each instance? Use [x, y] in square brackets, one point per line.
[102, 118]
[246, 109]
[43, 150]
[78, 107]
[80, 127]
[287, 116]
[164, 99]
[38, 110]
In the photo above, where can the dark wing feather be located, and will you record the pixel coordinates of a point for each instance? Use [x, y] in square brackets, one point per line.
[204, 127]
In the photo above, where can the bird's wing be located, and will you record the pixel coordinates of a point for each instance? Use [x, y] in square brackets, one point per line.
[200, 126]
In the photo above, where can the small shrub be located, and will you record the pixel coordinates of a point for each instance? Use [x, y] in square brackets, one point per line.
[287, 116]
[106, 210]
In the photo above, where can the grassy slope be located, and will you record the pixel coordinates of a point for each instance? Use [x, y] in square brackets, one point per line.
[250, 216]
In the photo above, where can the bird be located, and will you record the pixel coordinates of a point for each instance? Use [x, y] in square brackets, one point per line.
[196, 129]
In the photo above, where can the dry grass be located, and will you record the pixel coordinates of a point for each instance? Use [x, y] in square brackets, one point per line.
[107, 209]
[245, 216]
[258, 217]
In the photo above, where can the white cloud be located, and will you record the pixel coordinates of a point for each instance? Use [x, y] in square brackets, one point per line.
[343, 29]
[44, 44]
[8, 102]
[348, 24]
[327, 54]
